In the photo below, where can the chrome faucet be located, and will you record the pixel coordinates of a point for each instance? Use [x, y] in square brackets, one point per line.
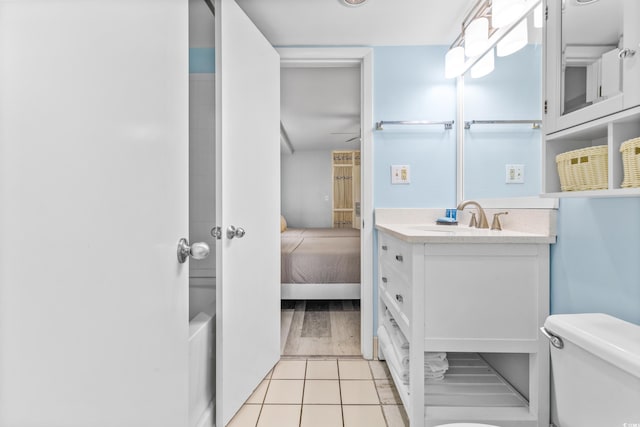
[482, 217]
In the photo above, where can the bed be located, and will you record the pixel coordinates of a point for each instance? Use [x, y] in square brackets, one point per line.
[320, 263]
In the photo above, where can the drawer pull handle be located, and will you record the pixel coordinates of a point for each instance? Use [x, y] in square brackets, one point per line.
[399, 258]
[399, 298]
[384, 247]
[384, 280]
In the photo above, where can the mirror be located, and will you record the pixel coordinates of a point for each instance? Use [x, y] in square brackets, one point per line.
[502, 138]
[591, 68]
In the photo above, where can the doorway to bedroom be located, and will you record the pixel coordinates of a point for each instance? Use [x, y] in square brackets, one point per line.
[321, 210]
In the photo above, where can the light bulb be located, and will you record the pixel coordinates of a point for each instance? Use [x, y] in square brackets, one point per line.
[504, 12]
[514, 41]
[484, 66]
[453, 62]
[476, 36]
[537, 16]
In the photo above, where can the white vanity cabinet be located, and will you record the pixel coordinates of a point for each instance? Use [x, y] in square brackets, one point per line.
[468, 299]
[592, 80]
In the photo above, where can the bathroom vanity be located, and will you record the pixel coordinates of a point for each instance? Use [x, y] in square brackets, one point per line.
[478, 295]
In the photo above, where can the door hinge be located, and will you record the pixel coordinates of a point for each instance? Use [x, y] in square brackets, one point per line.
[546, 13]
[546, 107]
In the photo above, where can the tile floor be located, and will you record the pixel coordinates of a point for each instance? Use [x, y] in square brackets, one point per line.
[324, 392]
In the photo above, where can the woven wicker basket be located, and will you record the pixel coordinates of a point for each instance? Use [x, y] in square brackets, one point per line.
[584, 169]
[631, 161]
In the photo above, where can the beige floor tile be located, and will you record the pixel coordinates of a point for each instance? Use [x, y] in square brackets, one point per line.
[321, 416]
[257, 397]
[358, 392]
[387, 392]
[322, 370]
[279, 416]
[247, 416]
[354, 369]
[379, 369]
[284, 392]
[289, 370]
[395, 415]
[321, 392]
[363, 416]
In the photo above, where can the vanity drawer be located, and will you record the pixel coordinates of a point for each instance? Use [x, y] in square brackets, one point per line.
[395, 254]
[397, 288]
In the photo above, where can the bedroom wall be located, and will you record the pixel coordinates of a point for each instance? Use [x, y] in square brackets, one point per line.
[306, 188]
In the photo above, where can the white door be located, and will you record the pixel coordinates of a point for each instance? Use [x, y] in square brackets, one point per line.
[93, 200]
[247, 196]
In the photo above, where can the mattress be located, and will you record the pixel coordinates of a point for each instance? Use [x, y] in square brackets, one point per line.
[320, 255]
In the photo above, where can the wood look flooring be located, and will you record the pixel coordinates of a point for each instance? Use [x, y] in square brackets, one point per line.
[320, 328]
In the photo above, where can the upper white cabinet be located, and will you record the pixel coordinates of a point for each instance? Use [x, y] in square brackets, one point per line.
[592, 60]
[592, 91]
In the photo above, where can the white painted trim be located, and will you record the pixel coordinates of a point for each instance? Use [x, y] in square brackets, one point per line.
[460, 138]
[320, 291]
[345, 57]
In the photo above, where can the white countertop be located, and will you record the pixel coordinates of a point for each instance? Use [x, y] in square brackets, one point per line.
[418, 226]
[431, 233]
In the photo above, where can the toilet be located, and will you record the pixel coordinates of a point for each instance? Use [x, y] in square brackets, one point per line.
[595, 371]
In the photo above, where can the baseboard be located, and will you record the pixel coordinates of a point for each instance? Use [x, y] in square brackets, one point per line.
[322, 291]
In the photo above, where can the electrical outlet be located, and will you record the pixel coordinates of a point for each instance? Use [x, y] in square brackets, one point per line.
[514, 174]
[400, 174]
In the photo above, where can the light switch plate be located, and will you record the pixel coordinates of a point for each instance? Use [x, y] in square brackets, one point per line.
[514, 174]
[400, 174]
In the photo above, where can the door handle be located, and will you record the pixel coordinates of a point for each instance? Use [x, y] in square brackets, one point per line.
[232, 232]
[199, 250]
[216, 232]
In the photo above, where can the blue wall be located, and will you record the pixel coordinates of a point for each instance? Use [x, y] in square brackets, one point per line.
[409, 84]
[595, 266]
[511, 92]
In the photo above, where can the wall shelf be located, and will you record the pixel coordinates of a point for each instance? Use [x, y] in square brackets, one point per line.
[618, 192]
[612, 131]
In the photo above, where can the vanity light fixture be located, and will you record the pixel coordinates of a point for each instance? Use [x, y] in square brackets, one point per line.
[504, 12]
[479, 38]
[453, 62]
[484, 66]
[514, 41]
[476, 37]
[537, 16]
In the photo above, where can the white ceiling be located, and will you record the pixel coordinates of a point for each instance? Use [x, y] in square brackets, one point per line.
[320, 107]
[376, 22]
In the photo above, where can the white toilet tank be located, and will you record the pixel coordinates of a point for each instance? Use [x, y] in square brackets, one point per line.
[596, 375]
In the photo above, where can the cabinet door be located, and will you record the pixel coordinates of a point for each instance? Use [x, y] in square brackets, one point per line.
[631, 64]
[582, 43]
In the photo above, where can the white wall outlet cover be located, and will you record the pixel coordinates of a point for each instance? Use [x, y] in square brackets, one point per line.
[400, 174]
[514, 174]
